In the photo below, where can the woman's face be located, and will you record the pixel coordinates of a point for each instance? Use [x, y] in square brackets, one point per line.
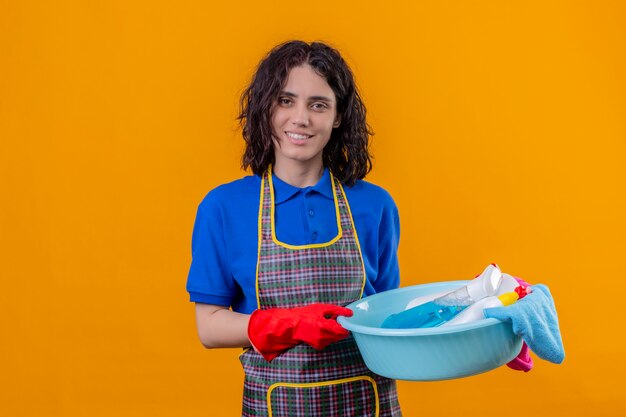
[303, 118]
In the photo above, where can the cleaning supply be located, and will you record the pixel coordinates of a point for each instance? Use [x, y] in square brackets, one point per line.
[534, 318]
[274, 330]
[444, 308]
[424, 299]
[475, 311]
[523, 361]
[508, 284]
[511, 283]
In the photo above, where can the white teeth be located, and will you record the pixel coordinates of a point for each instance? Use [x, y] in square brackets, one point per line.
[296, 136]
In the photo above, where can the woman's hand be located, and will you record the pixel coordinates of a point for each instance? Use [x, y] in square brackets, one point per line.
[275, 330]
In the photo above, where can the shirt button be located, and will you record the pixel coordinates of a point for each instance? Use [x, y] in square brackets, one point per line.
[314, 236]
[311, 213]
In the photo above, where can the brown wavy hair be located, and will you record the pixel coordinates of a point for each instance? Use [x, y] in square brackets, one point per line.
[347, 152]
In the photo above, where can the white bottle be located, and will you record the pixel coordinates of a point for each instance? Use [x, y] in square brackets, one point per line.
[508, 284]
[484, 285]
[475, 311]
[489, 282]
[444, 308]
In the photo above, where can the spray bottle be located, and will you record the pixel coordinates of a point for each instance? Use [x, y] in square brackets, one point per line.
[444, 308]
[475, 311]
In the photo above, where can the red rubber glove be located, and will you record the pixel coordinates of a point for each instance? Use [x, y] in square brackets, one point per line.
[523, 361]
[275, 330]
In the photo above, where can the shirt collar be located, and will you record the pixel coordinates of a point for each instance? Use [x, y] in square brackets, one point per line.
[284, 191]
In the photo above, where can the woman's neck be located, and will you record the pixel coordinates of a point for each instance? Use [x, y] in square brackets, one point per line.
[299, 175]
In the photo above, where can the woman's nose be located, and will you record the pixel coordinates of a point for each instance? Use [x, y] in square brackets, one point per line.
[300, 116]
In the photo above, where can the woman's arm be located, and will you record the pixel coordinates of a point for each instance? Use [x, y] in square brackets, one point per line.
[219, 327]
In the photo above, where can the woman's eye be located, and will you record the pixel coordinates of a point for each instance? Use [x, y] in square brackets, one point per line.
[284, 101]
[319, 106]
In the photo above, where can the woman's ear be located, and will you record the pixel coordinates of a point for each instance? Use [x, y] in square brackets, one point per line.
[337, 121]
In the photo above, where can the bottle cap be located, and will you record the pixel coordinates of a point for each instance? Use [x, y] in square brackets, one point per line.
[508, 298]
[522, 291]
[485, 284]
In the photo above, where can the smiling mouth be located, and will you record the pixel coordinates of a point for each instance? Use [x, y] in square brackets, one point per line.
[297, 136]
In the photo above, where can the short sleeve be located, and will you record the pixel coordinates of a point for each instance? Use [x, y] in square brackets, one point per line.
[210, 280]
[389, 232]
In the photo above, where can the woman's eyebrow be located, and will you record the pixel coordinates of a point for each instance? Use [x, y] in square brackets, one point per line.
[314, 98]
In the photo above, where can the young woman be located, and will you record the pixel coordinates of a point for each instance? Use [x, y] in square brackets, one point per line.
[277, 255]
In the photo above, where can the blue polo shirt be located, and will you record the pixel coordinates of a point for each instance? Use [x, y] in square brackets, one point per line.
[225, 235]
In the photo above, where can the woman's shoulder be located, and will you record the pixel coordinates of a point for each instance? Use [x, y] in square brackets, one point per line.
[238, 192]
[370, 193]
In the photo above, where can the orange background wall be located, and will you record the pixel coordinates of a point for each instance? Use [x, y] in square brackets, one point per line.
[500, 132]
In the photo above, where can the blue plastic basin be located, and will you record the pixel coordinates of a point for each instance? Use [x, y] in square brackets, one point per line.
[427, 354]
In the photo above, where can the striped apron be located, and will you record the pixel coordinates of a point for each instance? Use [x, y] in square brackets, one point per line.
[333, 382]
